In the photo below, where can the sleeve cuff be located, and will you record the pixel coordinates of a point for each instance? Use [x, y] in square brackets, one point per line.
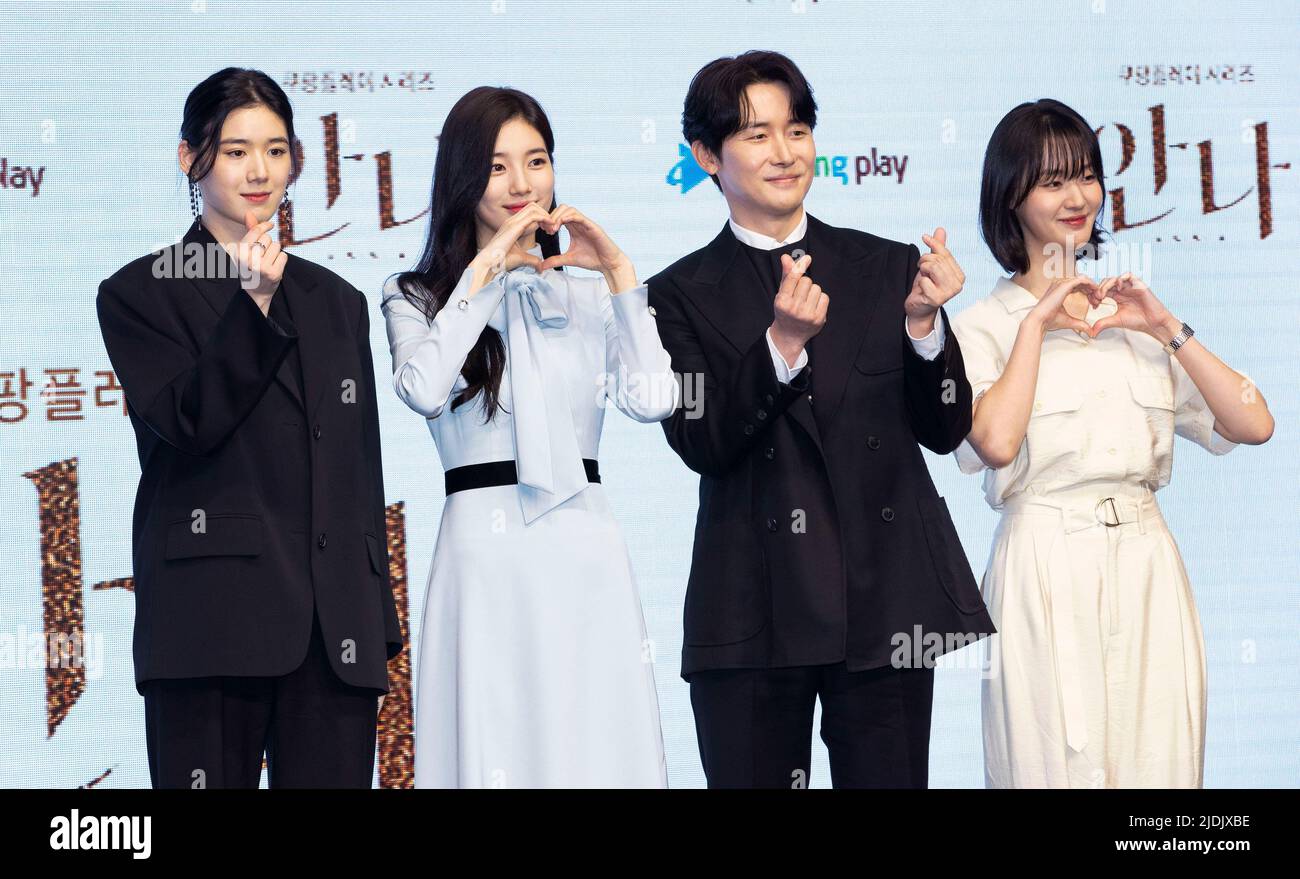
[929, 346]
[785, 372]
[1211, 440]
[478, 309]
[632, 302]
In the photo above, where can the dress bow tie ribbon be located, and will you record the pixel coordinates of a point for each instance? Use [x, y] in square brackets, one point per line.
[546, 448]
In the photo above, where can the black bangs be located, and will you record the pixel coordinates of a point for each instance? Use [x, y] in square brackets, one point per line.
[1065, 153]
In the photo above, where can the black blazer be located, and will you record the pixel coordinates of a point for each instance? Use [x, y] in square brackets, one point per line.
[820, 537]
[258, 496]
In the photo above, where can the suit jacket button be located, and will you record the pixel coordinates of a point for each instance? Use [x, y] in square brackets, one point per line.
[749, 430]
[873, 443]
[769, 400]
[315, 431]
[769, 453]
[320, 541]
[761, 414]
[887, 513]
[771, 524]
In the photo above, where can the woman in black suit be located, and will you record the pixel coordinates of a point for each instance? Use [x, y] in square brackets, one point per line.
[264, 616]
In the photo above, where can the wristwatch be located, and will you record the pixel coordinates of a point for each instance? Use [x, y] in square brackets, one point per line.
[1179, 340]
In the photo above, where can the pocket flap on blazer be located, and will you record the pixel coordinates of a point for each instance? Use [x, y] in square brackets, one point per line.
[875, 367]
[376, 557]
[876, 359]
[226, 534]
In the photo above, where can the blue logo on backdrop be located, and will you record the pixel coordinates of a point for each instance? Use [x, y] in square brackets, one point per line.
[687, 173]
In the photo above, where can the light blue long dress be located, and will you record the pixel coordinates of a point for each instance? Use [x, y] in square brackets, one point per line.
[532, 666]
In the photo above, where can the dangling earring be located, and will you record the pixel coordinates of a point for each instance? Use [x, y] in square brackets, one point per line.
[284, 201]
[194, 200]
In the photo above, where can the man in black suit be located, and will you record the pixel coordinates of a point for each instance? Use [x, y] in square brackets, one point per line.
[264, 614]
[825, 563]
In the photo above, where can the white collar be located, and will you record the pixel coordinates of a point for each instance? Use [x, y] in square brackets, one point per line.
[1016, 298]
[767, 242]
[1012, 296]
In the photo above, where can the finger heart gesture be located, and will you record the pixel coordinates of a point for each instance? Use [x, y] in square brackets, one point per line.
[800, 305]
[589, 246]
[1136, 307]
[1059, 309]
[261, 261]
[938, 277]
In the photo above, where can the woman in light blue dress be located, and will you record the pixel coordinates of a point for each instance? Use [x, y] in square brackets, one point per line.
[533, 665]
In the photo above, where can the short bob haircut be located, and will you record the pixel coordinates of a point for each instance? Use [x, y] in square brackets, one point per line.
[1034, 143]
[717, 106]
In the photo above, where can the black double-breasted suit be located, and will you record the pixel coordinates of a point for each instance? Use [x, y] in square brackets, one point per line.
[825, 565]
[261, 489]
[820, 537]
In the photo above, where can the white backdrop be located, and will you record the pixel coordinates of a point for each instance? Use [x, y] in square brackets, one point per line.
[90, 104]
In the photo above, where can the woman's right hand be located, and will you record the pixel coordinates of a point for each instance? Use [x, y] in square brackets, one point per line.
[503, 252]
[260, 260]
[1051, 313]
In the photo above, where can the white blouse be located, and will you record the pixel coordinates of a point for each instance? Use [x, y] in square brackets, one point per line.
[571, 349]
[1105, 409]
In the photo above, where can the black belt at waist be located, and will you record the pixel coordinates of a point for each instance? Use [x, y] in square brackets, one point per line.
[499, 473]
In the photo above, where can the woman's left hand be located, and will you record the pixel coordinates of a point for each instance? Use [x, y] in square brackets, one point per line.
[1137, 308]
[589, 246]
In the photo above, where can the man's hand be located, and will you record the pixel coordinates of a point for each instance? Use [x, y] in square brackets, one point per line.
[800, 308]
[938, 279]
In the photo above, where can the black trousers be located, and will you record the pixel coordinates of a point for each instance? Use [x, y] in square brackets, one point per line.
[315, 730]
[754, 726]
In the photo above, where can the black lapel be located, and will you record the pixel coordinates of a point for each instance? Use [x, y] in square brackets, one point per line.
[313, 331]
[722, 288]
[218, 290]
[840, 264]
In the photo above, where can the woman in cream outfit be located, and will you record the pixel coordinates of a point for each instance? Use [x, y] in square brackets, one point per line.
[1097, 674]
[533, 664]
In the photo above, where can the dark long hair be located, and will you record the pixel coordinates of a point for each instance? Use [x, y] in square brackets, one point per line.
[211, 101]
[460, 177]
[1034, 142]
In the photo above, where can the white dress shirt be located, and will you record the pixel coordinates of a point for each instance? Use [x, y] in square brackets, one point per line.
[928, 346]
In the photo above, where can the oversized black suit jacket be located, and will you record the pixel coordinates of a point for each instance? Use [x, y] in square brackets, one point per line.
[259, 495]
[820, 537]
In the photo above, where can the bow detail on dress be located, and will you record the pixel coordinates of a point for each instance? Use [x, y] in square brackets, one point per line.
[546, 447]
